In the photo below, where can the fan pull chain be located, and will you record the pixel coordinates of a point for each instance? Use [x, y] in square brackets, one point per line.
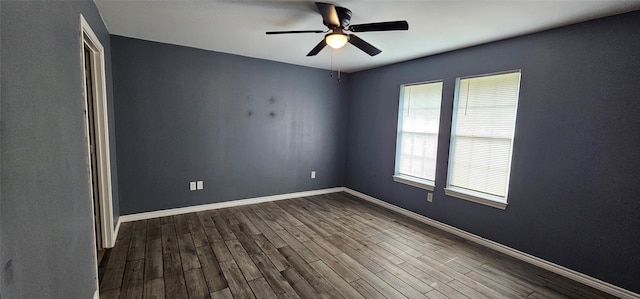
[337, 68]
[332, 63]
[331, 66]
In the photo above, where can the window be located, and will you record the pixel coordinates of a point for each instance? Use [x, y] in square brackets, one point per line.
[484, 116]
[417, 141]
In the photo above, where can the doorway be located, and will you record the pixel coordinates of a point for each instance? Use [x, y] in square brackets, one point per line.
[97, 138]
[89, 85]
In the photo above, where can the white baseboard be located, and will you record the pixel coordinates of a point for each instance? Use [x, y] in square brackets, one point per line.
[226, 204]
[115, 231]
[566, 272]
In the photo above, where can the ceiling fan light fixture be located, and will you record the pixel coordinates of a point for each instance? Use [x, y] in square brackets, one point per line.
[338, 20]
[336, 40]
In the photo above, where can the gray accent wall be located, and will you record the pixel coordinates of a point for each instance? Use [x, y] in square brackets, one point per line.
[246, 127]
[47, 245]
[575, 180]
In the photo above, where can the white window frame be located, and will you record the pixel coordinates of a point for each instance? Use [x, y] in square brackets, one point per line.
[467, 194]
[415, 181]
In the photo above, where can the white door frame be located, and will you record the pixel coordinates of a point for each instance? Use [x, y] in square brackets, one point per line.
[101, 130]
[87, 37]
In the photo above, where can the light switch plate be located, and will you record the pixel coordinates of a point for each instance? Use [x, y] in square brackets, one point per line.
[200, 185]
[313, 174]
[192, 186]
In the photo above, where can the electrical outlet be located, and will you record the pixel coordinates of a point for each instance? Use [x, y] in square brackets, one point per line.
[192, 186]
[200, 185]
[313, 174]
[429, 197]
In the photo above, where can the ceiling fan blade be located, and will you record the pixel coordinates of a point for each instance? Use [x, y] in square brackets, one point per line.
[382, 26]
[317, 48]
[329, 14]
[294, 31]
[364, 46]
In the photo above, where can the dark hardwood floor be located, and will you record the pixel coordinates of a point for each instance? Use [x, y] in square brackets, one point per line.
[327, 246]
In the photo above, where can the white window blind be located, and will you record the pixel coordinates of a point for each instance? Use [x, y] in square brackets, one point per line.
[418, 125]
[482, 135]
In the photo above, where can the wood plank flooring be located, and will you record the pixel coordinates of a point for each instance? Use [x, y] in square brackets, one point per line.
[327, 246]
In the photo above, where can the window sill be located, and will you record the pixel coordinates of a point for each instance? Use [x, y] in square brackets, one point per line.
[484, 199]
[413, 181]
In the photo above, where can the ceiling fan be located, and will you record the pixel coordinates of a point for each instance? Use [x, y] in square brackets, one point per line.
[338, 20]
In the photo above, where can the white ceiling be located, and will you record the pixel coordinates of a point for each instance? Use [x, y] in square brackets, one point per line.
[435, 26]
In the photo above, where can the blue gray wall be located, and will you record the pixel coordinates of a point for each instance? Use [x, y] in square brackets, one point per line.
[575, 181]
[46, 228]
[246, 127]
